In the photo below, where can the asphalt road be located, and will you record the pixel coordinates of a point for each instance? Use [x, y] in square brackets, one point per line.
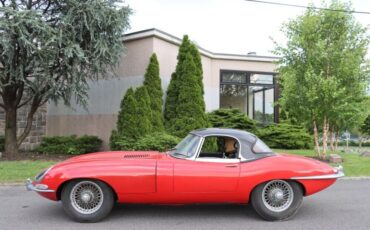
[345, 205]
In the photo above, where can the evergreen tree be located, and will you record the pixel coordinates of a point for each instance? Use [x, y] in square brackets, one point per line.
[185, 106]
[50, 50]
[143, 116]
[152, 82]
[190, 112]
[198, 63]
[173, 88]
[126, 121]
[171, 100]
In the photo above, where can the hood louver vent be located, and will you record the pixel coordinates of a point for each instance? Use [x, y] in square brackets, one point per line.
[136, 156]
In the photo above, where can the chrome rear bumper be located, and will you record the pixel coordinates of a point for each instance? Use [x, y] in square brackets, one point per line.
[37, 187]
[338, 173]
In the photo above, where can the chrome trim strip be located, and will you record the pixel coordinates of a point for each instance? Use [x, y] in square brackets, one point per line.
[217, 160]
[328, 176]
[31, 187]
[338, 173]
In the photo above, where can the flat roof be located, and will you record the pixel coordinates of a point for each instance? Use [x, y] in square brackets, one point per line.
[153, 32]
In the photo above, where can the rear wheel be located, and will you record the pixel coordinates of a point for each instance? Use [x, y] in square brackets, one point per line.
[277, 199]
[87, 200]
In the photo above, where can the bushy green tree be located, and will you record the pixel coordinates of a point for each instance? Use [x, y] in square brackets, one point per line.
[231, 118]
[133, 120]
[185, 106]
[152, 82]
[322, 70]
[198, 63]
[186, 47]
[174, 86]
[126, 120]
[171, 100]
[189, 109]
[143, 112]
[50, 49]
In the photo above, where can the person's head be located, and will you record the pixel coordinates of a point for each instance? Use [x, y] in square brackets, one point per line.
[230, 144]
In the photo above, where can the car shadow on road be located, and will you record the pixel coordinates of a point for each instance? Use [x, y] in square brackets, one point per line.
[178, 213]
[164, 212]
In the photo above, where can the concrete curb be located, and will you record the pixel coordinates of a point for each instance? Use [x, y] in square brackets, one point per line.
[355, 178]
[12, 184]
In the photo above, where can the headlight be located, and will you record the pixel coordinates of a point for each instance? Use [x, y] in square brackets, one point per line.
[42, 174]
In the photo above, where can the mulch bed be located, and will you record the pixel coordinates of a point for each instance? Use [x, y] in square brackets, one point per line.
[326, 160]
[36, 156]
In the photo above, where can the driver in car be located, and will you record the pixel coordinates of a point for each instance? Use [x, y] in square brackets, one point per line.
[230, 148]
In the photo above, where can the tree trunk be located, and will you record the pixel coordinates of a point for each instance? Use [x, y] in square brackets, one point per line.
[11, 147]
[324, 138]
[331, 139]
[360, 142]
[34, 106]
[336, 139]
[316, 138]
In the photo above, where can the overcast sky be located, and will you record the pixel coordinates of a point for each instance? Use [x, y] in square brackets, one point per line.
[224, 26]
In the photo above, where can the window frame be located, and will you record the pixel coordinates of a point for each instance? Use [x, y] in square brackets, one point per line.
[248, 83]
[218, 160]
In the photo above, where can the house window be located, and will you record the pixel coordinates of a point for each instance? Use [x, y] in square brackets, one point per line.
[252, 93]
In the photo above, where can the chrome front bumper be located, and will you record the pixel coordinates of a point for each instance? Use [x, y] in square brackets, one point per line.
[37, 187]
[338, 173]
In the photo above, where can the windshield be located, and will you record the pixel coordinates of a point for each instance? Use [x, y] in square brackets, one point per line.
[260, 147]
[187, 147]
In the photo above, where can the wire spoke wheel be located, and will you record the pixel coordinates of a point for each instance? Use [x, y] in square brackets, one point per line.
[277, 195]
[86, 197]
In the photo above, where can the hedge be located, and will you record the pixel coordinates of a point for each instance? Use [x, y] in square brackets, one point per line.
[69, 144]
[158, 141]
[231, 118]
[286, 136]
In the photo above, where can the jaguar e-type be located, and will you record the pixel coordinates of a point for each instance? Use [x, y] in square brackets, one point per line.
[211, 165]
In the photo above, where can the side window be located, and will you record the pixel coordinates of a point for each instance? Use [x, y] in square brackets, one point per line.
[219, 147]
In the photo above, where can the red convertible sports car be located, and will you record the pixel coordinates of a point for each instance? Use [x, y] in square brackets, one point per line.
[208, 166]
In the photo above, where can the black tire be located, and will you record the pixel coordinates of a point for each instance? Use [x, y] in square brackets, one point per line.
[266, 213]
[104, 206]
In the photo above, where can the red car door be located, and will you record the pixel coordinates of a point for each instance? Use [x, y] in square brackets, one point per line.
[206, 175]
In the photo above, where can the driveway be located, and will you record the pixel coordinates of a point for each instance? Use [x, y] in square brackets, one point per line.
[345, 205]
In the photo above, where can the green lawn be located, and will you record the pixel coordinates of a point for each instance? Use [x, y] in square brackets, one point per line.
[19, 171]
[354, 165]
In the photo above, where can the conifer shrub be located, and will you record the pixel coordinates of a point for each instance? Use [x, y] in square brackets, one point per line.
[134, 117]
[142, 120]
[286, 136]
[157, 141]
[231, 118]
[152, 82]
[185, 106]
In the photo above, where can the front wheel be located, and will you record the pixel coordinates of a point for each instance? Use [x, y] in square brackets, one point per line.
[87, 200]
[277, 199]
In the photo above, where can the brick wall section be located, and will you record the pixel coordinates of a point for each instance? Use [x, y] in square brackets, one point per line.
[38, 129]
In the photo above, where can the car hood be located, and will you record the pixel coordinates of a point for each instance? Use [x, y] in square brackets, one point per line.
[114, 155]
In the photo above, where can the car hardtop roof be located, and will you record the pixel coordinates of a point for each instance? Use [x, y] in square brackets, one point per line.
[222, 131]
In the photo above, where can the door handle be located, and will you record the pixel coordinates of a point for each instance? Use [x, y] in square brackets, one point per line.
[231, 166]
